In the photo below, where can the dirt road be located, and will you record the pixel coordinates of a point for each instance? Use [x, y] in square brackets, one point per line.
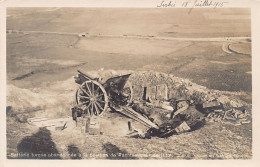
[213, 39]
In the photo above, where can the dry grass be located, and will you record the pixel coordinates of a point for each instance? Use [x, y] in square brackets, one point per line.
[153, 22]
[213, 141]
[49, 60]
[243, 48]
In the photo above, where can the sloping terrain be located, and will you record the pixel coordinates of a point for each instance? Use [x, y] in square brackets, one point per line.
[213, 141]
[45, 44]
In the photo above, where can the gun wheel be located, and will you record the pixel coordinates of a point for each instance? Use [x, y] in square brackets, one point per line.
[93, 97]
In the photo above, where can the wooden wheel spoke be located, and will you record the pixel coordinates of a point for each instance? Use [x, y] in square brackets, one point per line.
[97, 110]
[83, 91]
[99, 106]
[83, 103]
[88, 105]
[92, 85]
[98, 97]
[84, 97]
[88, 88]
[92, 109]
[101, 101]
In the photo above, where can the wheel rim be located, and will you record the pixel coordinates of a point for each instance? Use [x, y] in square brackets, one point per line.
[93, 97]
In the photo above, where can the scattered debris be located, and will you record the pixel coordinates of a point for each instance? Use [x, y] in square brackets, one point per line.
[184, 127]
[180, 107]
[160, 115]
[51, 124]
[238, 117]
[94, 126]
[215, 116]
[138, 117]
[211, 105]
[81, 123]
[235, 116]
[162, 104]
[136, 133]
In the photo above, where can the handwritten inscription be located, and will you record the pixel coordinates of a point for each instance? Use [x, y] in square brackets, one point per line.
[209, 3]
[167, 4]
[192, 4]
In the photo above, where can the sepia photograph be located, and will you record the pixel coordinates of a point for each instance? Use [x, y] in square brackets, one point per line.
[128, 83]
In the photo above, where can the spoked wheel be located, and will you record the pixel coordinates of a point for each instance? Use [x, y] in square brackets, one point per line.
[93, 97]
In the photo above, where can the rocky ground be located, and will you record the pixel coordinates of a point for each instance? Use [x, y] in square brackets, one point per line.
[215, 140]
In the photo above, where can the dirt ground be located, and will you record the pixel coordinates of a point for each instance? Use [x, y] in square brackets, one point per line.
[44, 51]
[213, 141]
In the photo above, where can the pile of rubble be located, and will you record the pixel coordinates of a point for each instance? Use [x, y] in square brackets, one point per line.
[168, 105]
[233, 116]
[163, 104]
[179, 88]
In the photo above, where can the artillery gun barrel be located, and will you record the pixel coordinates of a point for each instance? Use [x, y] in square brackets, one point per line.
[85, 75]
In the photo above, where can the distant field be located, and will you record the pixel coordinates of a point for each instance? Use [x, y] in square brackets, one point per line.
[52, 58]
[36, 58]
[153, 22]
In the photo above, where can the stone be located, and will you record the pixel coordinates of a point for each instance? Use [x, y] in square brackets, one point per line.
[94, 126]
[211, 104]
[183, 127]
[166, 106]
[21, 118]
